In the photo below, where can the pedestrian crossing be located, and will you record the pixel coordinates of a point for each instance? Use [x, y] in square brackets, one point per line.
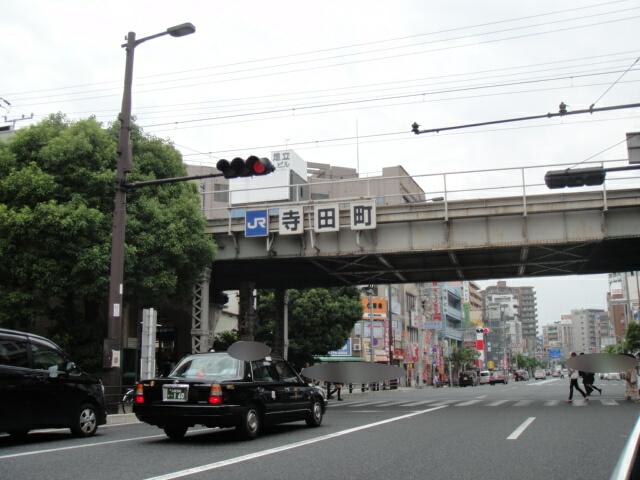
[474, 403]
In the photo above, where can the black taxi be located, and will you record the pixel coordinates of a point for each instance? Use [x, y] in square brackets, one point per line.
[217, 390]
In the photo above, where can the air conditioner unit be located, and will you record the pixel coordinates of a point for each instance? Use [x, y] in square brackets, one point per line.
[356, 347]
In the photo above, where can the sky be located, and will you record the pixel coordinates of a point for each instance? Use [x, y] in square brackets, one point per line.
[342, 82]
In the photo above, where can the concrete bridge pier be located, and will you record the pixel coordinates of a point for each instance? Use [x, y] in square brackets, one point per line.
[247, 314]
[281, 333]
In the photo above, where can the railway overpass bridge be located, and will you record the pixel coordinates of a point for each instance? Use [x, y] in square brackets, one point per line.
[587, 231]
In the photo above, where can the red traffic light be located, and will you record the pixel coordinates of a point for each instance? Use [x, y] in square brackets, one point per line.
[252, 166]
[485, 330]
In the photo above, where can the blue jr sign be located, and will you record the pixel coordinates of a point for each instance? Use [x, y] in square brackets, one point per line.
[256, 223]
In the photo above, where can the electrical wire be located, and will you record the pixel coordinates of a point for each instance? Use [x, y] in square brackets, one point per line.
[464, 28]
[614, 83]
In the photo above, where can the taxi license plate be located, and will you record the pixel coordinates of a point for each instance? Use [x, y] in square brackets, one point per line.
[175, 393]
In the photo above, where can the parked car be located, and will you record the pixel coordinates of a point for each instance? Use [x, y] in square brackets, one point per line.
[498, 376]
[468, 378]
[40, 387]
[217, 390]
[564, 373]
[611, 376]
[521, 375]
[485, 377]
[539, 374]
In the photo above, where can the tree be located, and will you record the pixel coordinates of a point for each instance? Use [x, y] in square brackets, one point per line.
[223, 340]
[320, 320]
[57, 182]
[461, 357]
[632, 337]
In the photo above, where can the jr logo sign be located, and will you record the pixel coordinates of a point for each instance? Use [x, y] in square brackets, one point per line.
[256, 223]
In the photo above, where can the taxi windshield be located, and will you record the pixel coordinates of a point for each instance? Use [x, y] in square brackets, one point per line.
[220, 366]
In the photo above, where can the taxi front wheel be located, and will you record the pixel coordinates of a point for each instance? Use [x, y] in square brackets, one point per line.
[314, 418]
[85, 422]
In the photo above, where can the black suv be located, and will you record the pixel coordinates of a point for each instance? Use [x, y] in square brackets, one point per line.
[217, 390]
[41, 388]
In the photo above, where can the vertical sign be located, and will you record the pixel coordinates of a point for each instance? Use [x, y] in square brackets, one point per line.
[291, 221]
[326, 218]
[363, 215]
[256, 223]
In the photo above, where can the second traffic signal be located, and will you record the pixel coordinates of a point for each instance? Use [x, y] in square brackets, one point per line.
[238, 167]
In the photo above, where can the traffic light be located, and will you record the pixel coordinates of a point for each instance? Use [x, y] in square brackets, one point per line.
[578, 177]
[252, 166]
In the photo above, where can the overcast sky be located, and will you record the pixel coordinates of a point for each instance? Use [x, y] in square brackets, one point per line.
[342, 82]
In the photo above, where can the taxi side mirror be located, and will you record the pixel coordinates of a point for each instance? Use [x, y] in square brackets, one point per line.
[53, 371]
[71, 367]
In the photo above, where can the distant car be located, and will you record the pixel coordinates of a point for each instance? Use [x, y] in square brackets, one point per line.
[498, 376]
[564, 373]
[485, 377]
[217, 390]
[540, 374]
[468, 379]
[611, 376]
[521, 375]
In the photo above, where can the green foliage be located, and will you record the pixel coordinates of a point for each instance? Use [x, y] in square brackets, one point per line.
[617, 348]
[463, 357]
[57, 183]
[223, 340]
[320, 320]
[632, 338]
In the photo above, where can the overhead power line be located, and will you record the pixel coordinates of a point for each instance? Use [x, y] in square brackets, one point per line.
[561, 113]
[324, 50]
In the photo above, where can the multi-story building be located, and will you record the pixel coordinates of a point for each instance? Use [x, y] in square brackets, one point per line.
[587, 327]
[527, 310]
[504, 340]
[559, 334]
[623, 301]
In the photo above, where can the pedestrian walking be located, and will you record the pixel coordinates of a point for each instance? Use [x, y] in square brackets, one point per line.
[631, 381]
[588, 379]
[573, 382]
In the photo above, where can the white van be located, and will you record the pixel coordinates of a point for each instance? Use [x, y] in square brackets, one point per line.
[485, 377]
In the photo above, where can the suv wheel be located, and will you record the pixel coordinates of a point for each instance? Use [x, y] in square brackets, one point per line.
[314, 419]
[250, 424]
[85, 422]
[175, 432]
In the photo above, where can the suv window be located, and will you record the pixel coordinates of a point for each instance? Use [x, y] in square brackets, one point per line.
[13, 352]
[263, 371]
[45, 357]
[286, 373]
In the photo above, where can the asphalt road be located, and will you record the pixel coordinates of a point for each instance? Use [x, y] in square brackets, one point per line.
[521, 430]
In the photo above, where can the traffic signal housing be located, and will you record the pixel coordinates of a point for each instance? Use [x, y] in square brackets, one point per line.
[578, 177]
[251, 167]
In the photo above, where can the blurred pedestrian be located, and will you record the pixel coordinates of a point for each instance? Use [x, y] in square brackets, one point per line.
[588, 379]
[573, 383]
[631, 381]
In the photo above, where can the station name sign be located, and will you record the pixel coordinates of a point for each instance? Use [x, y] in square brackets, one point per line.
[326, 218]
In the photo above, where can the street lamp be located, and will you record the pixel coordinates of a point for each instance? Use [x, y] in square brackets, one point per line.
[112, 347]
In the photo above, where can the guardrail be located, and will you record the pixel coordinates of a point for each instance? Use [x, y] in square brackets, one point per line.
[434, 188]
[628, 466]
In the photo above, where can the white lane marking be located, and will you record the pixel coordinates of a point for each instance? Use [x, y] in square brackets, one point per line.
[365, 411]
[481, 396]
[522, 403]
[579, 403]
[543, 382]
[271, 451]
[368, 403]
[413, 404]
[551, 403]
[609, 402]
[60, 449]
[95, 444]
[387, 404]
[518, 431]
[466, 404]
[497, 403]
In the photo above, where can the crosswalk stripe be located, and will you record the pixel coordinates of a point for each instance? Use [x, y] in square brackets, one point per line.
[362, 404]
[579, 403]
[413, 404]
[522, 403]
[551, 403]
[497, 403]
[609, 402]
[465, 404]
